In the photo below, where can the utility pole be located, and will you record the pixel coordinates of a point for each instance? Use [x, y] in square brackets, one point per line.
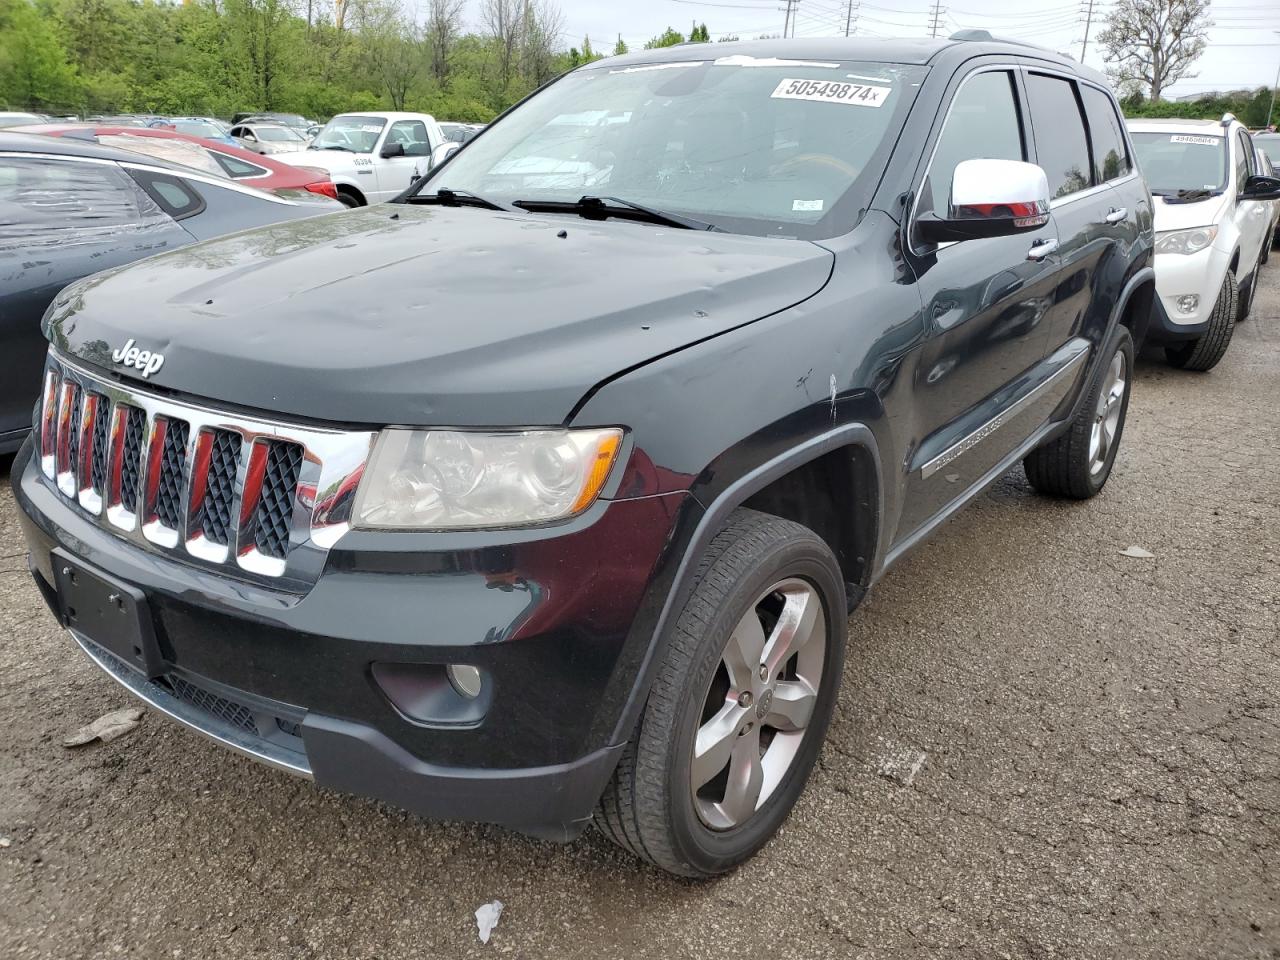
[1088, 19]
[935, 14]
[789, 25]
[849, 17]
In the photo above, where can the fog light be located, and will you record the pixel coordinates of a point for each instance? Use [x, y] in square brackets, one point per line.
[1188, 304]
[465, 679]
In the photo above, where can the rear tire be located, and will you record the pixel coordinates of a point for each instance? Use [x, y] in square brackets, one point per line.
[1204, 353]
[717, 695]
[1076, 465]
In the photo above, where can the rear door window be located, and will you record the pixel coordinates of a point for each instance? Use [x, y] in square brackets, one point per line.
[1062, 148]
[1110, 158]
[45, 201]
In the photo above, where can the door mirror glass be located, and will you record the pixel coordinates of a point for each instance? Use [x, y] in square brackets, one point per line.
[392, 150]
[443, 152]
[990, 198]
[1261, 188]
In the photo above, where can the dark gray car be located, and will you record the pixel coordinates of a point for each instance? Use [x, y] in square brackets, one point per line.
[69, 209]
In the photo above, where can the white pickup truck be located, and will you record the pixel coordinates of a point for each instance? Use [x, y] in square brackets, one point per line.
[370, 156]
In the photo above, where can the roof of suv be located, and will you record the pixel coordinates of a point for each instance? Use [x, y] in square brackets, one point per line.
[918, 51]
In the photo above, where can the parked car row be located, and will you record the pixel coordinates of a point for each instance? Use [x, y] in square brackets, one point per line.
[1215, 216]
[541, 495]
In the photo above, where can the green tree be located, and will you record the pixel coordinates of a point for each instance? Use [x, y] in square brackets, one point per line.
[667, 39]
[620, 48]
[34, 68]
[699, 34]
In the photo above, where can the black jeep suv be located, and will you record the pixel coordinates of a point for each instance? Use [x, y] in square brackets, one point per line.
[541, 495]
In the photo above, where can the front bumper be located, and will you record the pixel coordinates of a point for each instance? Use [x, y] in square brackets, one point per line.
[1177, 276]
[558, 621]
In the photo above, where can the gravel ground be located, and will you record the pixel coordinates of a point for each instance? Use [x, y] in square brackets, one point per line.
[1043, 749]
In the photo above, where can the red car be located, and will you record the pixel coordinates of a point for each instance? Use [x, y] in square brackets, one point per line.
[215, 158]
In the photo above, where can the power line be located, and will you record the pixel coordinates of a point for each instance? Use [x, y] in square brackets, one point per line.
[936, 14]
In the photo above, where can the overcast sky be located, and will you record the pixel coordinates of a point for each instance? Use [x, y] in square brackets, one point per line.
[1243, 49]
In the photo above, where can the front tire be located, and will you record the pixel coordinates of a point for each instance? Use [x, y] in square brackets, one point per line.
[1077, 464]
[1204, 353]
[738, 711]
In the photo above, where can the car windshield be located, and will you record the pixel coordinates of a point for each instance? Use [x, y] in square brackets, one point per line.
[766, 147]
[357, 134]
[183, 152]
[197, 128]
[1171, 162]
[276, 134]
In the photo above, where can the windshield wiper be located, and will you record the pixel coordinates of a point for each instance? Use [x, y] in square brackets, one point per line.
[1182, 195]
[455, 198]
[332, 146]
[601, 208]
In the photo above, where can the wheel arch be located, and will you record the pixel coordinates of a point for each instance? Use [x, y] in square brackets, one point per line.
[352, 191]
[848, 453]
[1135, 303]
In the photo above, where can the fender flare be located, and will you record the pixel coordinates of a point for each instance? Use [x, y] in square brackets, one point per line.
[713, 518]
[1141, 325]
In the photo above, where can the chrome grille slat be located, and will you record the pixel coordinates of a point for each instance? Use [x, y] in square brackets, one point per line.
[186, 496]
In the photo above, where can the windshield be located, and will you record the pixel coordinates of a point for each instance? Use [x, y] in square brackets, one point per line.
[276, 134]
[183, 152]
[1181, 161]
[357, 134]
[197, 128]
[768, 147]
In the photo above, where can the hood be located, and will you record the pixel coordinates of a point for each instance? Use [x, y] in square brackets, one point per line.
[1184, 216]
[428, 315]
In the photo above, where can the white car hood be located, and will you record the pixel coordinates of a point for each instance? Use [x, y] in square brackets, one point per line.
[1184, 216]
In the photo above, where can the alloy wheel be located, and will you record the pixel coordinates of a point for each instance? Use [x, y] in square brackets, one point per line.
[1106, 420]
[759, 704]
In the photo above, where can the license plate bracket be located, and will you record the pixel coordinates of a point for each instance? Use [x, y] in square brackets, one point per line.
[107, 611]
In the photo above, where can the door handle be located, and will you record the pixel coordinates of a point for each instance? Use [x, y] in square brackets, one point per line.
[1118, 215]
[1041, 249]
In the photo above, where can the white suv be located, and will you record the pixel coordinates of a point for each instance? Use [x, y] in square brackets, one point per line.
[1211, 221]
[370, 156]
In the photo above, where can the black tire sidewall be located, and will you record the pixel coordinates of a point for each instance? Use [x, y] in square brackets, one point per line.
[710, 851]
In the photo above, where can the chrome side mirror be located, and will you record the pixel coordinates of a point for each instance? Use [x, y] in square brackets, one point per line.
[443, 152]
[990, 198]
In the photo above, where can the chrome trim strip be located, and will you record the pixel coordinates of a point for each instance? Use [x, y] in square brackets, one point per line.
[333, 461]
[967, 443]
[177, 710]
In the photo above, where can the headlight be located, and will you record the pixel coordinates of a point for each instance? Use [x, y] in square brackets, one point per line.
[1185, 241]
[454, 479]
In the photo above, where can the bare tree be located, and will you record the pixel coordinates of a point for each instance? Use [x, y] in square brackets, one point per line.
[444, 27]
[503, 20]
[543, 25]
[391, 46]
[1154, 42]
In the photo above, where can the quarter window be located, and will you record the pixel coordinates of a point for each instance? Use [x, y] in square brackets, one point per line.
[238, 169]
[1110, 159]
[982, 124]
[1061, 144]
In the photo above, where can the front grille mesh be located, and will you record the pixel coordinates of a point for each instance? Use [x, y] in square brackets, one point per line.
[275, 508]
[172, 481]
[214, 518]
[228, 711]
[135, 423]
[73, 438]
[101, 444]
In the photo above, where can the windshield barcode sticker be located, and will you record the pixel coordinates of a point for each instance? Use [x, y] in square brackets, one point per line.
[1184, 138]
[831, 91]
